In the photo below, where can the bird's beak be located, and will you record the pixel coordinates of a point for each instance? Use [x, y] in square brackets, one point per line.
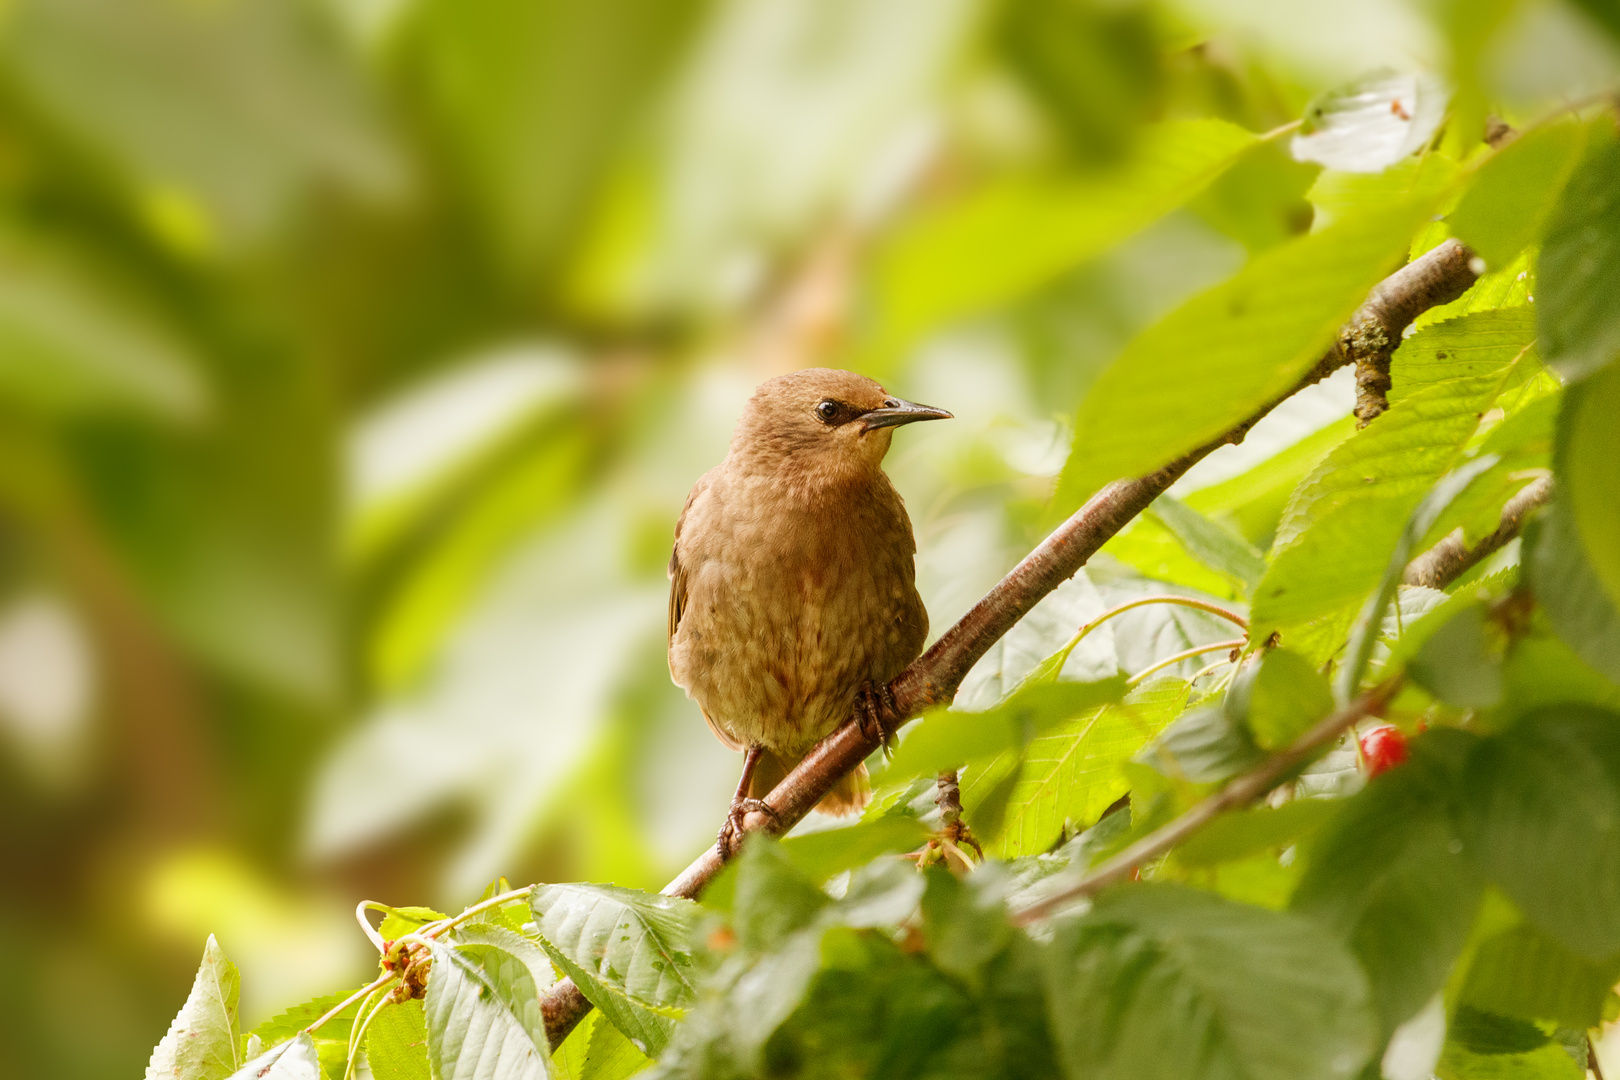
[897, 411]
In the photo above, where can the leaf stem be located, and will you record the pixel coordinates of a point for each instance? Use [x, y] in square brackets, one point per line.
[433, 930]
[382, 980]
[360, 910]
[1185, 654]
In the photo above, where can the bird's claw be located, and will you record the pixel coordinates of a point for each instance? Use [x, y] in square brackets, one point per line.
[878, 713]
[731, 830]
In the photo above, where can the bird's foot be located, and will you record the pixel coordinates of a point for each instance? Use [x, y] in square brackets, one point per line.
[878, 713]
[731, 831]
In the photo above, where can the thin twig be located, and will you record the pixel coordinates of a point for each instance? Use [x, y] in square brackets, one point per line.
[1241, 791]
[1451, 557]
[433, 930]
[382, 980]
[1436, 277]
[1185, 654]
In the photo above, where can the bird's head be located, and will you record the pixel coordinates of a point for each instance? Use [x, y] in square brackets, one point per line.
[824, 421]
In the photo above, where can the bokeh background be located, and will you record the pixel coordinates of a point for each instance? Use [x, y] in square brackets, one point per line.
[356, 357]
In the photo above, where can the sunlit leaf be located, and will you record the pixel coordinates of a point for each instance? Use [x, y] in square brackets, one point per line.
[999, 242]
[201, 1041]
[482, 1014]
[1522, 973]
[1211, 544]
[1588, 469]
[1283, 697]
[295, 1059]
[396, 1043]
[1575, 599]
[1215, 360]
[1163, 981]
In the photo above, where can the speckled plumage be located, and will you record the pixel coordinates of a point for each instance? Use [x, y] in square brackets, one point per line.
[793, 577]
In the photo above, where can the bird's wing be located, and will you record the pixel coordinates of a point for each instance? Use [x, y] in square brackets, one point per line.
[677, 603]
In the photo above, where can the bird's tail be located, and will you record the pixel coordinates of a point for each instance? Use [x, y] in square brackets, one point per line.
[849, 796]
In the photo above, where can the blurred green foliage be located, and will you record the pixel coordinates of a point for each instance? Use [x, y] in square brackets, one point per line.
[356, 357]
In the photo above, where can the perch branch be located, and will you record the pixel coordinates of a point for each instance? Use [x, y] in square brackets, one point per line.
[1451, 558]
[1437, 277]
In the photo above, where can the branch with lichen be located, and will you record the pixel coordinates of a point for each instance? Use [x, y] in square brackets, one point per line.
[1437, 277]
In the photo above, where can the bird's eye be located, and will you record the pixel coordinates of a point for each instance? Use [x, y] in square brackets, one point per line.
[828, 411]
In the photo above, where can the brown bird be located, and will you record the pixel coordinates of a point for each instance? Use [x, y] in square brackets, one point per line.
[792, 584]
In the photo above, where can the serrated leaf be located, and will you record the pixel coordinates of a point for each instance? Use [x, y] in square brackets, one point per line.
[1372, 122]
[482, 1014]
[1481, 1032]
[396, 1043]
[399, 921]
[949, 739]
[1254, 501]
[1163, 981]
[1343, 520]
[201, 1040]
[611, 1056]
[1579, 268]
[1503, 210]
[1523, 973]
[295, 1059]
[1216, 359]
[1393, 877]
[285, 1025]
[1576, 603]
[1070, 773]
[629, 952]
[1543, 800]
[1008, 238]
[1240, 834]
[1468, 347]
[1548, 1062]
[1203, 746]
[1588, 471]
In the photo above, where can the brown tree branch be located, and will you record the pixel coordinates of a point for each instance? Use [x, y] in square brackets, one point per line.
[1437, 277]
[1451, 558]
[1373, 335]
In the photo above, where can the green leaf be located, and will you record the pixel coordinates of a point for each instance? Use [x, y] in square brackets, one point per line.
[1481, 1032]
[1284, 697]
[611, 1056]
[396, 1043]
[1474, 346]
[1503, 210]
[1372, 122]
[1579, 271]
[947, 739]
[1204, 746]
[201, 1040]
[1523, 973]
[482, 1012]
[965, 921]
[285, 1025]
[70, 349]
[1391, 875]
[821, 855]
[1576, 602]
[1240, 834]
[1254, 501]
[1012, 236]
[1215, 546]
[1456, 664]
[1543, 802]
[773, 899]
[1070, 773]
[1335, 539]
[1162, 981]
[1343, 196]
[1588, 470]
[175, 99]
[399, 921]
[295, 1059]
[1218, 358]
[629, 952]
[1549, 1062]
[505, 81]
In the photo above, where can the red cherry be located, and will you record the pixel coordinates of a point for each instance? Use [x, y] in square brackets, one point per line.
[1383, 748]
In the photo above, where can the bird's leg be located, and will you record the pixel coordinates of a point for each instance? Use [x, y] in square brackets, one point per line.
[741, 805]
[878, 713]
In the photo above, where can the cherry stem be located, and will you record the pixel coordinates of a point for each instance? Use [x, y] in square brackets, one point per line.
[1185, 654]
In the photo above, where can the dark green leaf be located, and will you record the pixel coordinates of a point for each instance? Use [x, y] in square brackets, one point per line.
[965, 921]
[1282, 697]
[1242, 833]
[1213, 361]
[1588, 469]
[483, 1015]
[201, 1040]
[772, 899]
[1204, 746]
[1576, 602]
[1543, 819]
[1523, 973]
[1456, 663]
[821, 855]
[1163, 981]
[1213, 545]
[1579, 269]
[1392, 876]
[1481, 1032]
